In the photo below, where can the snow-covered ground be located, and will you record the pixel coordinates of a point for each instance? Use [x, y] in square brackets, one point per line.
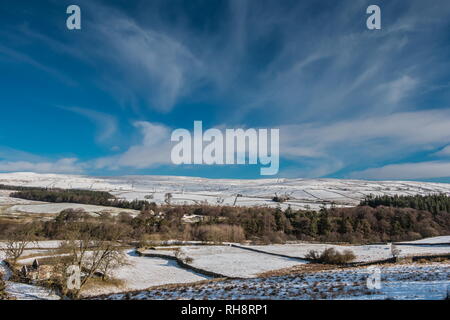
[412, 281]
[142, 272]
[49, 244]
[5, 199]
[304, 193]
[364, 253]
[55, 208]
[442, 239]
[20, 291]
[235, 262]
[14, 207]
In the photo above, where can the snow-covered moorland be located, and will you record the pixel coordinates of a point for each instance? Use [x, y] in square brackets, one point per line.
[409, 281]
[303, 193]
[413, 281]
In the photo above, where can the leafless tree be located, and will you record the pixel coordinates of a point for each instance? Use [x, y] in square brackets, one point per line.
[17, 241]
[113, 260]
[93, 251]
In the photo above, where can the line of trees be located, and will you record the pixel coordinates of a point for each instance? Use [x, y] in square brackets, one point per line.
[100, 198]
[432, 203]
[377, 219]
[357, 225]
[362, 224]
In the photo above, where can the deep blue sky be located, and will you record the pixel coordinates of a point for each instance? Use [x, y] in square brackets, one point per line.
[349, 102]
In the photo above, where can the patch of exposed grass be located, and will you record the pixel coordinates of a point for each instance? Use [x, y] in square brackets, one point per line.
[96, 282]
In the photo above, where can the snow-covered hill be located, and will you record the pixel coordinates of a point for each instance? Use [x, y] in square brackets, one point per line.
[304, 193]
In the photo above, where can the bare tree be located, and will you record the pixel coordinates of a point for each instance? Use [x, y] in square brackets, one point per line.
[92, 251]
[113, 260]
[18, 239]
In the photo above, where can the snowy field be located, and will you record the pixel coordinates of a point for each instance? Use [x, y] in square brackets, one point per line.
[49, 244]
[304, 193]
[142, 273]
[442, 239]
[14, 207]
[56, 208]
[5, 199]
[235, 262]
[20, 291]
[412, 282]
[364, 253]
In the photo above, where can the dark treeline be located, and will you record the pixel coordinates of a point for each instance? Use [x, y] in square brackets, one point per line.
[357, 225]
[362, 224]
[61, 195]
[377, 219]
[433, 203]
[100, 198]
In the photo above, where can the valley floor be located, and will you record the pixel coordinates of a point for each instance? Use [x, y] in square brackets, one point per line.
[271, 272]
[429, 281]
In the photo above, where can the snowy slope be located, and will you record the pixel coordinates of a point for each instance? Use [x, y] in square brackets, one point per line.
[411, 282]
[304, 193]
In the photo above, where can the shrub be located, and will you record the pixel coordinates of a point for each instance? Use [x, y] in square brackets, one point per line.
[331, 256]
[281, 199]
[181, 255]
[313, 255]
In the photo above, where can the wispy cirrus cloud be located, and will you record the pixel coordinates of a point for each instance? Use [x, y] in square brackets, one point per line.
[64, 165]
[406, 171]
[327, 148]
[158, 69]
[21, 57]
[106, 123]
[444, 152]
[345, 98]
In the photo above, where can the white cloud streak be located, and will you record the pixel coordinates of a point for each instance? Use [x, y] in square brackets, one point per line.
[153, 151]
[106, 123]
[65, 165]
[406, 171]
